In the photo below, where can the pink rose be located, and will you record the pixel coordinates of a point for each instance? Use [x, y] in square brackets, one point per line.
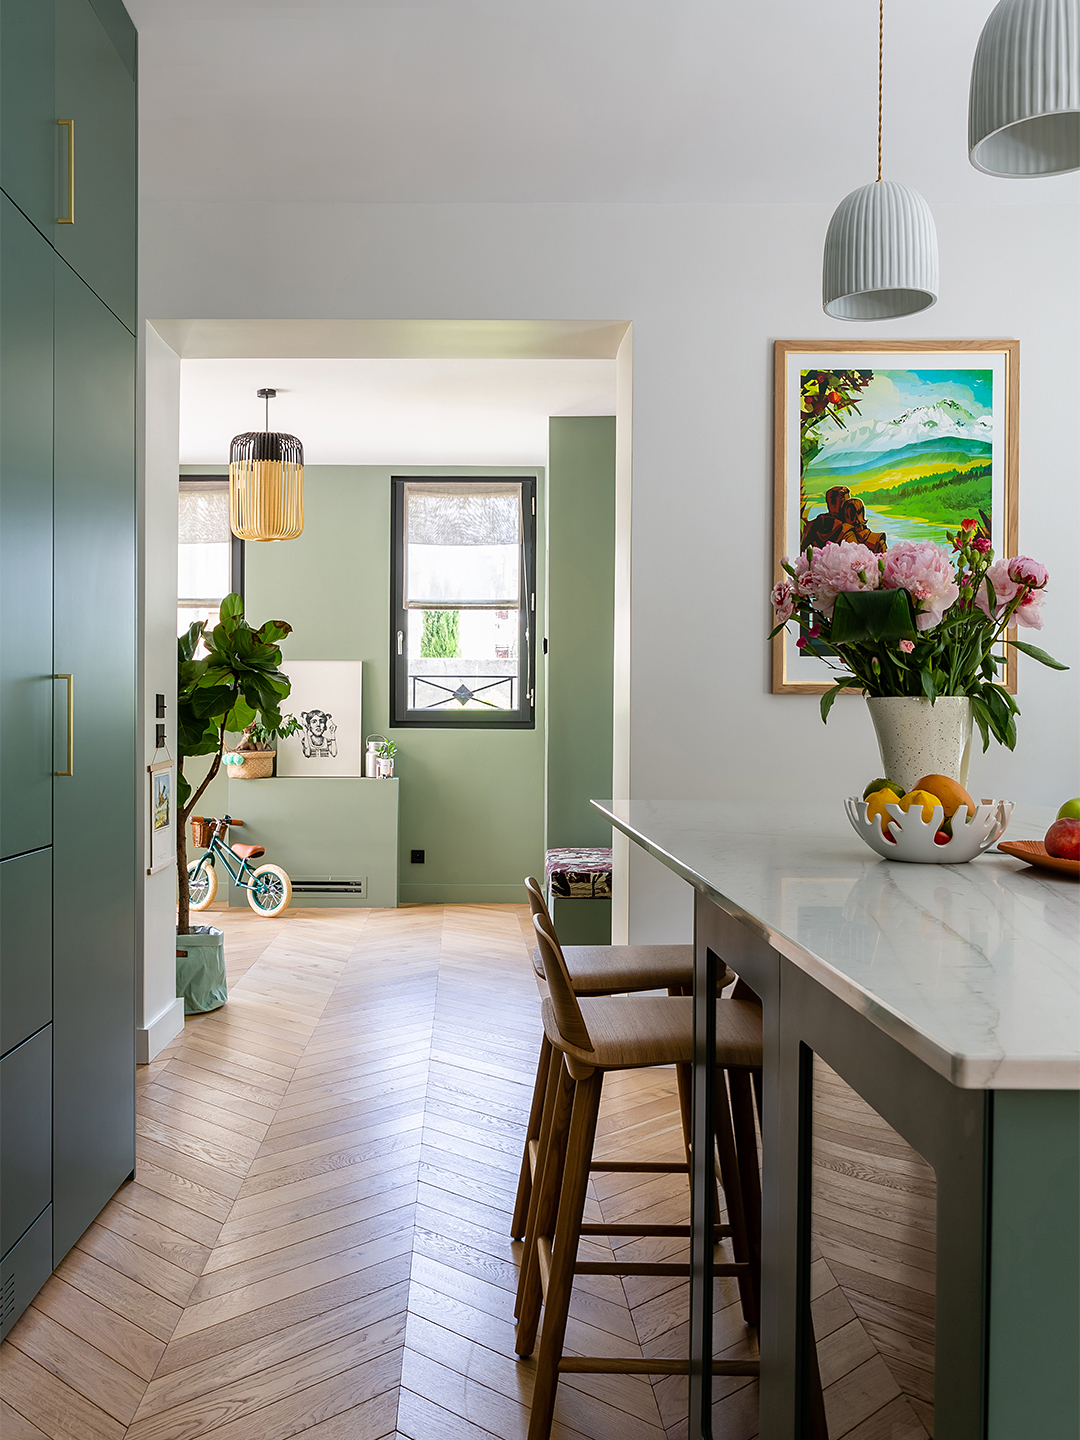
[837, 569]
[922, 569]
[783, 601]
[1025, 571]
[907, 646]
[981, 543]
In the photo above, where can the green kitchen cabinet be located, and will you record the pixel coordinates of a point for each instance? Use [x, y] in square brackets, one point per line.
[26, 500]
[94, 808]
[25, 1101]
[25, 946]
[67, 644]
[96, 90]
[28, 129]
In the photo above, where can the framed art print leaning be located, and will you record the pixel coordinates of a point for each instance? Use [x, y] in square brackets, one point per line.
[877, 442]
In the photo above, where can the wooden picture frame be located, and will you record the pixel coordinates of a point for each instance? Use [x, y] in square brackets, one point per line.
[997, 362]
[162, 815]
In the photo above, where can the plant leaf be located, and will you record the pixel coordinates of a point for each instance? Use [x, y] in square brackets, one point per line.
[830, 695]
[861, 615]
[1037, 654]
[232, 607]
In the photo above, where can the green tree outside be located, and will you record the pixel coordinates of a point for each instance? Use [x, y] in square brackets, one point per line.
[440, 637]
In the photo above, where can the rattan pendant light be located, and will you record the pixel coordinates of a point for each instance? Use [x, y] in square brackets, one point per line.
[881, 255]
[266, 483]
[1024, 103]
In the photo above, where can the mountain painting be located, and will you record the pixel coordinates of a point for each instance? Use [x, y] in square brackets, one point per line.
[891, 455]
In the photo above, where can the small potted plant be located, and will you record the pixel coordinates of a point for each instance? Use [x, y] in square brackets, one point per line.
[254, 757]
[384, 760]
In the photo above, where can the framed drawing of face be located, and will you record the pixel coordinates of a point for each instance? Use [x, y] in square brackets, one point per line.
[326, 699]
[880, 441]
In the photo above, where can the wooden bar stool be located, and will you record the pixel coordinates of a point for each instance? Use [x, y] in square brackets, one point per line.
[596, 970]
[591, 1037]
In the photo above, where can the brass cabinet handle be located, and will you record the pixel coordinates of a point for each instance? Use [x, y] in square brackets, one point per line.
[69, 218]
[70, 724]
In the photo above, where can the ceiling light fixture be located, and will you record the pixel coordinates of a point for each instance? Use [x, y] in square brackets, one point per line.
[266, 483]
[881, 255]
[1024, 102]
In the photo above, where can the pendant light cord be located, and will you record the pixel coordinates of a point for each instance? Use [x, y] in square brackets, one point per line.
[880, 52]
[267, 397]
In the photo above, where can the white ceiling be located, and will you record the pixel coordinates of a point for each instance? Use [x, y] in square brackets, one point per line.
[390, 412]
[556, 100]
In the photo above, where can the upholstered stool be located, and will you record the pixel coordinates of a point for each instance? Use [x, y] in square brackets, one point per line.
[602, 970]
[578, 883]
[591, 1037]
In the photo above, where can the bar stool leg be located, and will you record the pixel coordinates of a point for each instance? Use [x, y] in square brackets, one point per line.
[556, 1078]
[563, 1254]
[733, 1194]
[742, 1114]
[547, 1186]
[532, 1132]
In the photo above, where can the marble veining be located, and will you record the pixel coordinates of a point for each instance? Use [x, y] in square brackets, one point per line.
[975, 968]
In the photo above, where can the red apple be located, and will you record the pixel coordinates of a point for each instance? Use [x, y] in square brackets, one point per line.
[942, 837]
[1063, 840]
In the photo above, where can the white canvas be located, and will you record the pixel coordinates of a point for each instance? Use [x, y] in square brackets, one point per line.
[326, 699]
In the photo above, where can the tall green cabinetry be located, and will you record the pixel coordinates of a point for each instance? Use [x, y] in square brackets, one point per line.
[67, 628]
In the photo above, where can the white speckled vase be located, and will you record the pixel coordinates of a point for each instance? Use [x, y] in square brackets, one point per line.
[916, 738]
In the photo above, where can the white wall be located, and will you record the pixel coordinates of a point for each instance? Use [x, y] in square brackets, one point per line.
[160, 1013]
[708, 288]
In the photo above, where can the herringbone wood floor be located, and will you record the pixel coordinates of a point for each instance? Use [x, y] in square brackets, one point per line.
[316, 1240]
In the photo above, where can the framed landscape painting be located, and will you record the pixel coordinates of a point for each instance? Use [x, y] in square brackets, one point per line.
[884, 441]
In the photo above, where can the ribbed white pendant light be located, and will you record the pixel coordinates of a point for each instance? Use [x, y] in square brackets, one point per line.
[881, 254]
[1024, 104]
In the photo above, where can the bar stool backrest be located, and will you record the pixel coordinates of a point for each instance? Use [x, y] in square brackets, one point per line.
[537, 899]
[568, 1014]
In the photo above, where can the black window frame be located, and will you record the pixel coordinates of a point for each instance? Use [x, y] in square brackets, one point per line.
[236, 554]
[401, 718]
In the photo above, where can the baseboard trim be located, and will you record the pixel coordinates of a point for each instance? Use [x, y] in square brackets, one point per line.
[151, 1040]
[413, 894]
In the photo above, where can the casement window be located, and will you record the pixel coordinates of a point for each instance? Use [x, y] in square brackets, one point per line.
[210, 558]
[463, 603]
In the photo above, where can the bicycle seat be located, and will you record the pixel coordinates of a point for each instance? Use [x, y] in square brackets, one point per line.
[248, 852]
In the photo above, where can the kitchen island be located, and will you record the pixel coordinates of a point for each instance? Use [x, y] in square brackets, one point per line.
[931, 1016]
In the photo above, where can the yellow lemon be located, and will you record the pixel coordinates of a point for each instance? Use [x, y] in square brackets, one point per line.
[876, 806]
[927, 803]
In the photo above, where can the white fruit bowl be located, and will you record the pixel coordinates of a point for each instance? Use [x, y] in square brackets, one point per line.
[915, 836]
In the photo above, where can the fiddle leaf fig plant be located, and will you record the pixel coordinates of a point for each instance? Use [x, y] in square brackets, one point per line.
[236, 684]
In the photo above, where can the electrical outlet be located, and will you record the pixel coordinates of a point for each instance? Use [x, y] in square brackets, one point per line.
[417, 857]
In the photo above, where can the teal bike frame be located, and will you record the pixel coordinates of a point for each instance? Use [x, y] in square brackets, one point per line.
[243, 868]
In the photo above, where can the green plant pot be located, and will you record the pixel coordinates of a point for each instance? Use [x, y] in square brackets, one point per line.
[200, 969]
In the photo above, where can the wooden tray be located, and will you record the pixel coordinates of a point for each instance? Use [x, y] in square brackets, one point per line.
[1034, 852]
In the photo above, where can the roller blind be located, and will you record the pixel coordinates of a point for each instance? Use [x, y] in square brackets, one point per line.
[204, 560]
[462, 545]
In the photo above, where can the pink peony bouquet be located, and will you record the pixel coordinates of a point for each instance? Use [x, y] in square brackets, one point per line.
[916, 619]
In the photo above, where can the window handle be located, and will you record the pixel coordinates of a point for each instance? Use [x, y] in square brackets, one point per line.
[69, 218]
[70, 724]
[400, 641]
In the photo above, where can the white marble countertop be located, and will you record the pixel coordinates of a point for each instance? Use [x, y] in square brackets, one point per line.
[973, 968]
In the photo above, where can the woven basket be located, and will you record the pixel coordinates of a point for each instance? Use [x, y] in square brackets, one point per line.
[201, 830]
[256, 765]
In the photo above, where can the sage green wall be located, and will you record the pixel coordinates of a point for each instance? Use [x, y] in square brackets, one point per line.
[580, 625]
[473, 800]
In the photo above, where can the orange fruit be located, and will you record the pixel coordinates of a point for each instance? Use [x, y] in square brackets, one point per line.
[926, 802]
[950, 792]
[876, 806]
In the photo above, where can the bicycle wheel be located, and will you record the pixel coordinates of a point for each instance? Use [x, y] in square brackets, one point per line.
[271, 890]
[202, 886]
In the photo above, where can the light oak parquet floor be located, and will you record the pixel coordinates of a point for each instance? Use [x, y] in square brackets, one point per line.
[316, 1240]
